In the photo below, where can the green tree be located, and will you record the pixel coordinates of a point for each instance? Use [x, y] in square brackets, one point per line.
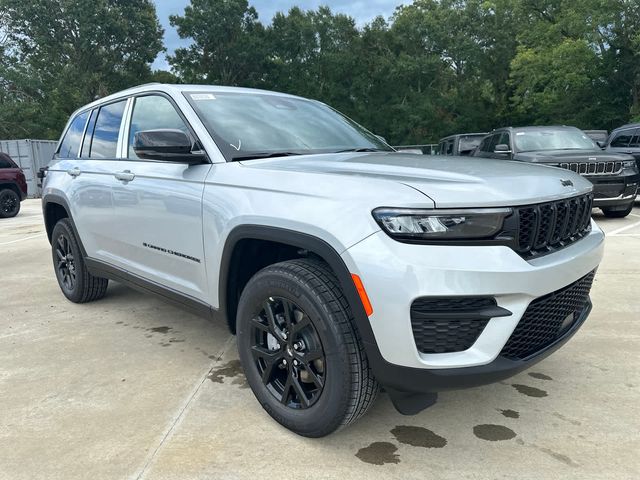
[228, 43]
[61, 54]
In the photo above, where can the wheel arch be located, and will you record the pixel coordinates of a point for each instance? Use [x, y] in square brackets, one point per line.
[303, 243]
[54, 209]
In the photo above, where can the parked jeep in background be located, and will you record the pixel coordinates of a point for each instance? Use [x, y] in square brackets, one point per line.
[625, 140]
[614, 176]
[461, 144]
[13, 187]
[341, 264]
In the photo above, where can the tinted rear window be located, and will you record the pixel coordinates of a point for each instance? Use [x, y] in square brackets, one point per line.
[70, 146]
[5, 161]
[105, 135]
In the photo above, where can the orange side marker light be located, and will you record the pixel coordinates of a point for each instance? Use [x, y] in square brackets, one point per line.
[364, 298]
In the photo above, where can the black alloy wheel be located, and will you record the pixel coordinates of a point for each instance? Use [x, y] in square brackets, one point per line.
[288, 353]
[9, 203]
[65, 266]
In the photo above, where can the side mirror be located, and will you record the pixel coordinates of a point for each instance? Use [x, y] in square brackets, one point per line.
[168, 145]
[503, 149]
[601, 144]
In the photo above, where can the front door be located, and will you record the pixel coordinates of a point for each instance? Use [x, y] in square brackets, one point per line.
[158, 207]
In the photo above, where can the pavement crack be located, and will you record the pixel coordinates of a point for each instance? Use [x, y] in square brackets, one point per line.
[177, 418]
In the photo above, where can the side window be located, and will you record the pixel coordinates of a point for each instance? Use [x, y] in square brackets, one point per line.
[494, 142]
[70, 145]
[450, 147]
[153, 112]
[635, 141]
[105, 135]
[5, 161]
[86, 143]
[484, 145]
[505, 139]
[622, 139]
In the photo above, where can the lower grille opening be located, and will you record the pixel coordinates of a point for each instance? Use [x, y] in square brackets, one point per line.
[451, 324]
[548, 318]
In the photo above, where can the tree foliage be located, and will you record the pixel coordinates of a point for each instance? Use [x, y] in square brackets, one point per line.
[435, 67]
[61, 54]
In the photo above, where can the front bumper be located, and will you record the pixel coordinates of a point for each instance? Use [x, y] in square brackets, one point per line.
[395, 274]
[614, 191]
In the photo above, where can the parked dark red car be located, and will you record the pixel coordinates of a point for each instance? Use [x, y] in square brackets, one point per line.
[13, 187]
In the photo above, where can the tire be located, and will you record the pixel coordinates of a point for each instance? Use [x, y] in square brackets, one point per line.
[9, 203]
[617, 212]
[75, 281]
[340, 387]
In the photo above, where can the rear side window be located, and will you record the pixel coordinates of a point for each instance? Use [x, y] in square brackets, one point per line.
[5, 161]
[105, 135]
[622, 139]
[70, 145]
[153, 112]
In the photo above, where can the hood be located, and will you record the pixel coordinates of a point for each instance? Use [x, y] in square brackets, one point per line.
[569, 156]
[447, 181]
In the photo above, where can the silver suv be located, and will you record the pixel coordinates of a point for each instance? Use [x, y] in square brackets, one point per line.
[340, 264]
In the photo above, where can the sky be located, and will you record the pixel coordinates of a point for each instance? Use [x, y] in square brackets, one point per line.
[362, 10]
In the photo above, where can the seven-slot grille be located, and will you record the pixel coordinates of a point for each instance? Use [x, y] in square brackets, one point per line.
[593, 168]
[549, 226]
[548, 318]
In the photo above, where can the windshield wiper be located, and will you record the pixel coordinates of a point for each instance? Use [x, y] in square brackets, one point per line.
[364, 149]
[255, 156]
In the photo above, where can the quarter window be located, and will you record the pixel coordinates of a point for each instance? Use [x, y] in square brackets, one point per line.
[153, 112]
[622, 139]
[105, 134]
[86, 144]
[70, 146]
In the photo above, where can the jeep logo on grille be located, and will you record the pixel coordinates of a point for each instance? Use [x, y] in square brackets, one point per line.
[566, 183]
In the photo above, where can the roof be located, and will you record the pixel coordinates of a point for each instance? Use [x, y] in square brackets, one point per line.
[628, 125]
[479, 134]
[174, 88]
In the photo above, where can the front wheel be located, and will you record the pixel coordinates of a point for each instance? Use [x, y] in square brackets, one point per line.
[300, 351]
[617, 212]
[9, 203]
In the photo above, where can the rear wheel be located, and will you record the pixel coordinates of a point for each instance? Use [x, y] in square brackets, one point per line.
[9, 203]
[298, 347]
[617, 212]
[75, 281]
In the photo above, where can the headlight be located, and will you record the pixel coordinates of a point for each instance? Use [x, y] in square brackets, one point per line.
[427, 225]
[629, 163]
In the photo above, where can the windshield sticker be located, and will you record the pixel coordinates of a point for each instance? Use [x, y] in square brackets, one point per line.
[203, 96]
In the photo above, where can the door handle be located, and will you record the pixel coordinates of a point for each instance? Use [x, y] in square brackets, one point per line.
[125, 176]
[74, 172]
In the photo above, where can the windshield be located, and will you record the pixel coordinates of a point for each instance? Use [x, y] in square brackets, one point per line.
[256, 125]
[536, 140]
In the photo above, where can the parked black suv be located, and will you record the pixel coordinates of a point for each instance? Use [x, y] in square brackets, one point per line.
[625, 140]
[614, 176]
[461, 144]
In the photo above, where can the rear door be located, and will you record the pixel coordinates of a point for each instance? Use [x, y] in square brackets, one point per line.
[92, 180]
[157, 229]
